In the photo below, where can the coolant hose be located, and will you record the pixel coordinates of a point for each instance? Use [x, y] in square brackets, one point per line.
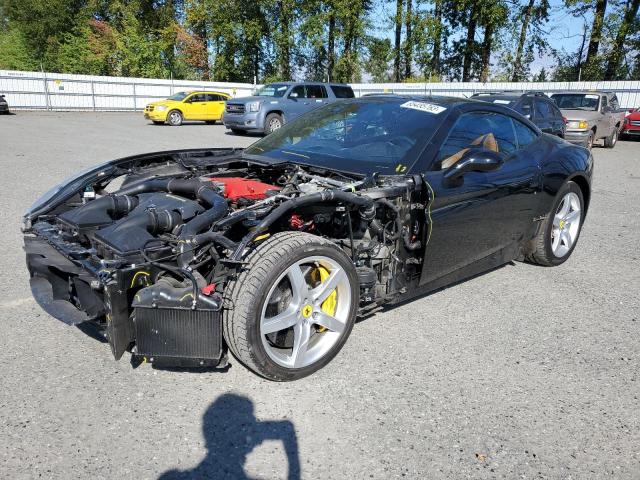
[365, 205]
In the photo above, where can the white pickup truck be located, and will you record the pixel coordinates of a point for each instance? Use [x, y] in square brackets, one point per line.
[590, 116]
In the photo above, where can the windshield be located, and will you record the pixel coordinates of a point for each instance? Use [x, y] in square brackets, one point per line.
[273, 90]
[576, 101]
[178, 97]
[359, 136]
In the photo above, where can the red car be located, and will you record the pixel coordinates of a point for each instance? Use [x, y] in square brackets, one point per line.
[631, 125]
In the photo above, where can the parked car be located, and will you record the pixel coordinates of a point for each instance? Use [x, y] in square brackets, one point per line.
[591, 116]
[631, 124]
[273, 251]
[277, 103]
[536, 106]
[196, 105]
[4, 106]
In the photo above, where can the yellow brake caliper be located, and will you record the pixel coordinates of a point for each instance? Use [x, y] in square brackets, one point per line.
[331, 302]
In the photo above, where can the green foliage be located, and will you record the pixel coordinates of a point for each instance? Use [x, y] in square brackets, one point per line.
[341, 40]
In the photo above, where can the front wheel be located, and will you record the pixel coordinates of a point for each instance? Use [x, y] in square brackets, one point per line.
[293, 306]
[559, 232]
[174, 118]
[273, 122]
[590, 139]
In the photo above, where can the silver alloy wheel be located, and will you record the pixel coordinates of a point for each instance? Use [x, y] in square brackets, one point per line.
[315, 331]
[566, 224]
[274, 124]
[174, 118]
[614, 140]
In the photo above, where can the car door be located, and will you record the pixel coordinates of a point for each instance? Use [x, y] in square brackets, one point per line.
[604, 127]
[316, 96]
[486, 214]
[215, 106]
[195, 107]
[296, 100]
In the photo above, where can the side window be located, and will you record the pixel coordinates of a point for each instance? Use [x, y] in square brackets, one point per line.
[614, 103]
[342, 91]
[316, 91]
[214, 97]
[603, 103]
[543, 110]
[556, 111]
[298, 90]
[476, 130]
[525, 109]
[197, 98]
[524, 134]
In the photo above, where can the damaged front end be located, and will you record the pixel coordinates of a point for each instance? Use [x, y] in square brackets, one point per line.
[143, 247]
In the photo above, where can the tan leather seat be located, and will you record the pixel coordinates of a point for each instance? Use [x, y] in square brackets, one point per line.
[488, 142]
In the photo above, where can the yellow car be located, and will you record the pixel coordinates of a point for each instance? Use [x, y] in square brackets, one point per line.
[204, 106]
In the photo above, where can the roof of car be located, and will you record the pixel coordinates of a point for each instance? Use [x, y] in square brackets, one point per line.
[440, 100]
[581, 92]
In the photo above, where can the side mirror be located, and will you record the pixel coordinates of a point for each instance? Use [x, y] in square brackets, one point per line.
[473, 161]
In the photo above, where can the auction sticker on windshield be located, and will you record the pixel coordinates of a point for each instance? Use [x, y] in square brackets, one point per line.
[423, 107]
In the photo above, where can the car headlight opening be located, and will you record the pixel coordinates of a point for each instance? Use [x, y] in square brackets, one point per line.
[254, 106]
[161, 108]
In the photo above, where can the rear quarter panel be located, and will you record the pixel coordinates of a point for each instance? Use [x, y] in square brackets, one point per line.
[564, 162]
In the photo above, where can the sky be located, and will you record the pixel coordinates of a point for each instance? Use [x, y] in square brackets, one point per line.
[564, 30]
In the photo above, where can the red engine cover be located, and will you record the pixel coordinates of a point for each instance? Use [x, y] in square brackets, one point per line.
[237, 187]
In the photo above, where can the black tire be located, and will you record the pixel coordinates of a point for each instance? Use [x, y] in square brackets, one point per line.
[237, 131]
[175, 118]
[247, 293]
[590, 139]
[542, 253]
[272, 123]
[612, 139]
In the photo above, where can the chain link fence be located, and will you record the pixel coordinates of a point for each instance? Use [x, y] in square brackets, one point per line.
[54, 91]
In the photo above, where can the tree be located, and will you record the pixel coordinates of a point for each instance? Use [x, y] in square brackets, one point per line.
[398, 41]
[379, 54]
[532, 16]
[617, 52]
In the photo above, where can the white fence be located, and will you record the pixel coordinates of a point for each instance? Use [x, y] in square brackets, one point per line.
[56, 91]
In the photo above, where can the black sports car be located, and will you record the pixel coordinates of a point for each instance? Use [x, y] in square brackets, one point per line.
[273, 251]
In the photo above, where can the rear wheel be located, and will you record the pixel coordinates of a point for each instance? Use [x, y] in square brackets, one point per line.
[558, 234]
[612, 139]
[293, 306]
[174, 118]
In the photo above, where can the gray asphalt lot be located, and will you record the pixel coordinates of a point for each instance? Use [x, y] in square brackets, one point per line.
[524, 372]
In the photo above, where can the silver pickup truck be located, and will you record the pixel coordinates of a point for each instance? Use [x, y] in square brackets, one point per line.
[590, 116]
[275, 104]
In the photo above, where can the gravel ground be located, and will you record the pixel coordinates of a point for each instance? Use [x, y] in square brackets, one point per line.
[525, 372]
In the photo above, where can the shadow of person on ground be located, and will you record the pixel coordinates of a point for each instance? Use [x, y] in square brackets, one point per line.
[231, 432]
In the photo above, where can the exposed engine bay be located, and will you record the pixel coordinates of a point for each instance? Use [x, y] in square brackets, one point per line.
[145, 248]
